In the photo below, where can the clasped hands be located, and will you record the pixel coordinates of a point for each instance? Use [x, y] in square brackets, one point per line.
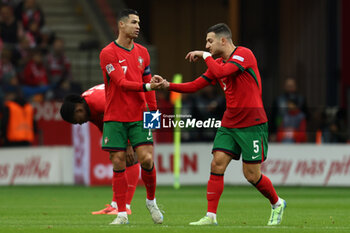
[158, 83]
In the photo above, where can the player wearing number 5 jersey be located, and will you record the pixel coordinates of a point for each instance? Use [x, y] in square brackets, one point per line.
[90, 106]
[126, 71]
[244, 125]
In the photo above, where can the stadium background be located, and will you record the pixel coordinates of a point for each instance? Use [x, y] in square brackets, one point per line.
[305, 40]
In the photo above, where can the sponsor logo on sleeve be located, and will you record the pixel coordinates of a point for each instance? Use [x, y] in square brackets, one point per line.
[239, 58]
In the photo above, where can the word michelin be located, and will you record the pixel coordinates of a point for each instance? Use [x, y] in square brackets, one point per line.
[191, 123]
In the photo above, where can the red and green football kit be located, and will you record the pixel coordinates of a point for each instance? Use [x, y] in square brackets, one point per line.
[244, 124]
[125, 73]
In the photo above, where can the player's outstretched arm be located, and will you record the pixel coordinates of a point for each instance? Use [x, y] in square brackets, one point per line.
[158, 83]
[189, 87]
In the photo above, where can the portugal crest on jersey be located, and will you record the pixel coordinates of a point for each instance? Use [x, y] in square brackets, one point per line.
[140, 59]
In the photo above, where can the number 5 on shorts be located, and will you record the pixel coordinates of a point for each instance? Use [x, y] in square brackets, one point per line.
[256, 146]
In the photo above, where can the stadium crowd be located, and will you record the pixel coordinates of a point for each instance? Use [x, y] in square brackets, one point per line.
[33, 66]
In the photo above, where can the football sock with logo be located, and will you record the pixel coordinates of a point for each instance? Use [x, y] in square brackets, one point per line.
[120, 187]
[266, 188]
[150, 180]
[214, 190]
[133, 174]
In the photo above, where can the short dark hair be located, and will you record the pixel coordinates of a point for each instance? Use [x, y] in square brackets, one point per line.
[221, 29]
[68, 107]
[125, 13]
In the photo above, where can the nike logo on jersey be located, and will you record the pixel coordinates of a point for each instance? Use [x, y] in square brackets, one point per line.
[149, 138]
[254, 157]
[120, 61]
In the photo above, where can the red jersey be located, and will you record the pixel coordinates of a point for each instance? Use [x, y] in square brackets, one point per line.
[95, 99]
[125, 72]
[35, 74]
[239, 78]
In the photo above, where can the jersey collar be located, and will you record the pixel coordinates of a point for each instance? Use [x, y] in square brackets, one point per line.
[115, 42]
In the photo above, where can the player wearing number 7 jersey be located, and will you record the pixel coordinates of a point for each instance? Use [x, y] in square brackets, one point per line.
[244, 125]
[126, 71]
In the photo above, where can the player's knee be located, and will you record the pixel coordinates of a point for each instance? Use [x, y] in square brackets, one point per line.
[147, 161]
[251, 177]
[217, 167]
[116, 158]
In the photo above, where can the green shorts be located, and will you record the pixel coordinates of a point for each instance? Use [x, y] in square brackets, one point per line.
[251, 142]
[116, 134]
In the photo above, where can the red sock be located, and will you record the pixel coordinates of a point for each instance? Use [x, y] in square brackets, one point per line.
[150, 180]
[214, 190]
[132, 173]
[114, 199]
[266, 188]
[120, 187]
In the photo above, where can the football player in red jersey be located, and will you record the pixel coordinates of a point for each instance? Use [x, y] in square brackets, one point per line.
[126, 72]
[79, 109]
[243, 129]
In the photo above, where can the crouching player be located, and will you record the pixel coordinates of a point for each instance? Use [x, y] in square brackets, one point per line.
[90, 107]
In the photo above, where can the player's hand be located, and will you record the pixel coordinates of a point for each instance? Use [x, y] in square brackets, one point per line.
[157, 79]
[160, 86]
[130, 155]
[165, 85]
[194, 55]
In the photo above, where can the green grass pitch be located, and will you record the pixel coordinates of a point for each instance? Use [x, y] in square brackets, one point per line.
[241, 209]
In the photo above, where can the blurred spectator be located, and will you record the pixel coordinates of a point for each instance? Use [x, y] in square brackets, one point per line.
[7, 69]
[10, 29]
[58, 65]
[17, 124]
[47, 37]
[22, 54]
[280, 108]
[334, 128]
[34, 73]
[293, 126]
[33, 34]
[29, 11]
